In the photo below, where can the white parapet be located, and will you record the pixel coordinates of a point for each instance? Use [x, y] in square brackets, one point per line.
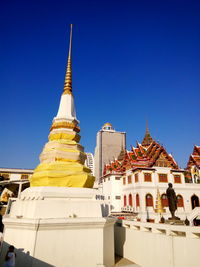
[156, 245]
[62, 227]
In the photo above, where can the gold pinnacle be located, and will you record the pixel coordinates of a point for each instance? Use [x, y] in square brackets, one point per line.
[159, 208]
[68, 76]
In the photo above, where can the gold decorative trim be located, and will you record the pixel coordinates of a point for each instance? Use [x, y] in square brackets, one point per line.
[66, 136]
[64, 124]
[67, 92]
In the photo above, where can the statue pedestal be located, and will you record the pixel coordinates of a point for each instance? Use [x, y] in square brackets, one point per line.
[174, 218]
[174, 221]
[62, 227]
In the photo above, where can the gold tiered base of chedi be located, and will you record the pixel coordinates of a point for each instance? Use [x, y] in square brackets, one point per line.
[62, 160]
[65, 174]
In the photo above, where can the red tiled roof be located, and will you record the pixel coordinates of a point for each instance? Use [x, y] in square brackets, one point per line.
[141, 156]
[194, 158]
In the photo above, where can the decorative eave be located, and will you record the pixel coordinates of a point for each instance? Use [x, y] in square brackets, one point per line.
[112, 173]
[143, 168]
[16, 170]
[178, 170]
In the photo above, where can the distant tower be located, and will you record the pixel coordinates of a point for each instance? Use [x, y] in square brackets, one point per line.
[89, 162]
[109, 144]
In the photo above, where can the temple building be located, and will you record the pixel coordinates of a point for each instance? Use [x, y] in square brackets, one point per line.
[131, 182]
[109, 144]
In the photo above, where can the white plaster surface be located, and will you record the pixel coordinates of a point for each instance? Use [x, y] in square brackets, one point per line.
[67, 108]
[62, 227]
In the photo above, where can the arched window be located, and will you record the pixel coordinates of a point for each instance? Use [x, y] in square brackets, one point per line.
[164, 200]
[124, 201]
[130, 200]
[149, 200]
[137, 200]
[195, 201]
[180, 201]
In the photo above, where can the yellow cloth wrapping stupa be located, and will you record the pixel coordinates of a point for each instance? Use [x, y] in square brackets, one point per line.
[62, 159]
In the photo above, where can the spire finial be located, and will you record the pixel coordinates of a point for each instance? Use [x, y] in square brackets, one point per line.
[147, 126]
[147, 138]
[68, 76]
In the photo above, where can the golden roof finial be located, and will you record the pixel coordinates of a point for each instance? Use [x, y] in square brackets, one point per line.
[147, 126]
[147, 138]
[68, 76]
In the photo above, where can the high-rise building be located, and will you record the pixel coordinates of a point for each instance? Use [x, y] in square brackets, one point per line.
[109, 145]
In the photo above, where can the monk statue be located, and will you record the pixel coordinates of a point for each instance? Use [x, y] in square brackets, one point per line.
[172, 200]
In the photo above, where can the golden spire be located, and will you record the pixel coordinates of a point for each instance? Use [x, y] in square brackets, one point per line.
[68, 76]
[159, 208]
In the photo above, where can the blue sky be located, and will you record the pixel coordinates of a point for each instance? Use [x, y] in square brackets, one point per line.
[132, 61]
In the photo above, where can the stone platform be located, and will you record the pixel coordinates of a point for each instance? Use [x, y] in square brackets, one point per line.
[62, 227]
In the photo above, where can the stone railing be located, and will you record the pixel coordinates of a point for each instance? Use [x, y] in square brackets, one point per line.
[166, 229]
[195, 212]
[155, 245]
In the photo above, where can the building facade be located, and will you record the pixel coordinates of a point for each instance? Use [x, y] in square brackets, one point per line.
[109, 144]
[12, 182]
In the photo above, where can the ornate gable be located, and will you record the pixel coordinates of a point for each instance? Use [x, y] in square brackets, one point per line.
[160, 157]
[194, 158]
[162, 161]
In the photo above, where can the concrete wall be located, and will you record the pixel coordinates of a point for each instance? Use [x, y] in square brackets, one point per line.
[156, 245]
[113, 192]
